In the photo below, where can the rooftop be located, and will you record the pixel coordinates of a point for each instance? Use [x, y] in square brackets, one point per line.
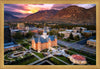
[42, 40]
[92, 40]
[69, 30]
[78, 57]
[87, 31]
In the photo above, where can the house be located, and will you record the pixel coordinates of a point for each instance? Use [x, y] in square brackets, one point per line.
[20, 26]
[91, 42]
[68, 32]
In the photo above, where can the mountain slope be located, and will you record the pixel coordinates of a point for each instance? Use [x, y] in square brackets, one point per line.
[74, 14]
[8, 16]
[41, 15]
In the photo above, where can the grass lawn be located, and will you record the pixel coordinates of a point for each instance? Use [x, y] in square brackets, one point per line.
[39, 54]
[55, 61]
[89, 61]
[19, 41]
[32, 59]
[24, 61]
[70, 41]
[69, 52]
[20, 49]
[6, 58]
[27, 46]
[84, 53]
[64, 59]
[45, 50]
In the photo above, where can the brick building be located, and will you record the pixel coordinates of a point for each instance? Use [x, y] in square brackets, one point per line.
[91, 42]
[44, 42]
[20, 26]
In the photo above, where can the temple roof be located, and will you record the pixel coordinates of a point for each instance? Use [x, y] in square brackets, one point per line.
[42, 40]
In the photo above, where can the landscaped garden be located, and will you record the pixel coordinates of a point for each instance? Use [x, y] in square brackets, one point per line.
[89, 61]
[55, 61]
[45, 50]
[69, 52]
[26, 45]
[64, 59]
[24, 61]
[39, 54]
[84, 53]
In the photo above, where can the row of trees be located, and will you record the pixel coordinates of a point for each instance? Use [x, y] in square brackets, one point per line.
[74, 38]
[89, 27]
[19, 35]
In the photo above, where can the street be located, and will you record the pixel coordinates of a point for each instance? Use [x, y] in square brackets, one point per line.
[78, 45]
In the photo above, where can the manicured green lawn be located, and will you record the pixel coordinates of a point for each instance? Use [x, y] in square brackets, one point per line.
[56, 62]
[84, 53]
[45, 50]
[27, 46]
[89, 61]
[69, 52]
[6, 58]
[24, 61]
[39, 54]
[32, 59]
[64, 59]
[19, 41]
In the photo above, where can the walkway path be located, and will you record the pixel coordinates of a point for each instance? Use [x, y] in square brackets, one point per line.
[40, 60]
[44, 62]
[61, 60]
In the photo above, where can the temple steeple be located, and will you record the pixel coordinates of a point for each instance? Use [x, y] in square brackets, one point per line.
[39, 39]
[33, 38]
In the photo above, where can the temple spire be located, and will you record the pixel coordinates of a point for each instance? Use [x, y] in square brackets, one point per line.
[33, 38]
[39, 39]
[55, 37]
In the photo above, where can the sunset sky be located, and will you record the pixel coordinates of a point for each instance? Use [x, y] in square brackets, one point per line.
[23, 10]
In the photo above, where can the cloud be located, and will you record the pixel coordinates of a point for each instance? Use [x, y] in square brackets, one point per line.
[86, 6]
[60, 6]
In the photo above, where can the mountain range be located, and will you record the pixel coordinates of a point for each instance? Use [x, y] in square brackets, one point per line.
[71, 14]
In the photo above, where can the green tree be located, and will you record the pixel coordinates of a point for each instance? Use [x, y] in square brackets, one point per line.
[71, 36]
[40, 33]
[68, 39]
[87, 35]
[61, 35]
[77, 38]
[29, 34]
[18, 35]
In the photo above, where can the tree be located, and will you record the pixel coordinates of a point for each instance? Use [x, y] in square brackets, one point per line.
[61, 35]
[40, 33]
[68, 39]
[18, 35]
[29, 34]
[71, 36]
[87, 35]
[77, 38]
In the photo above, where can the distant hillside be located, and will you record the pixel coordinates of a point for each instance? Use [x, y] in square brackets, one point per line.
[8, 16]
[41, 15]
[74, 14]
